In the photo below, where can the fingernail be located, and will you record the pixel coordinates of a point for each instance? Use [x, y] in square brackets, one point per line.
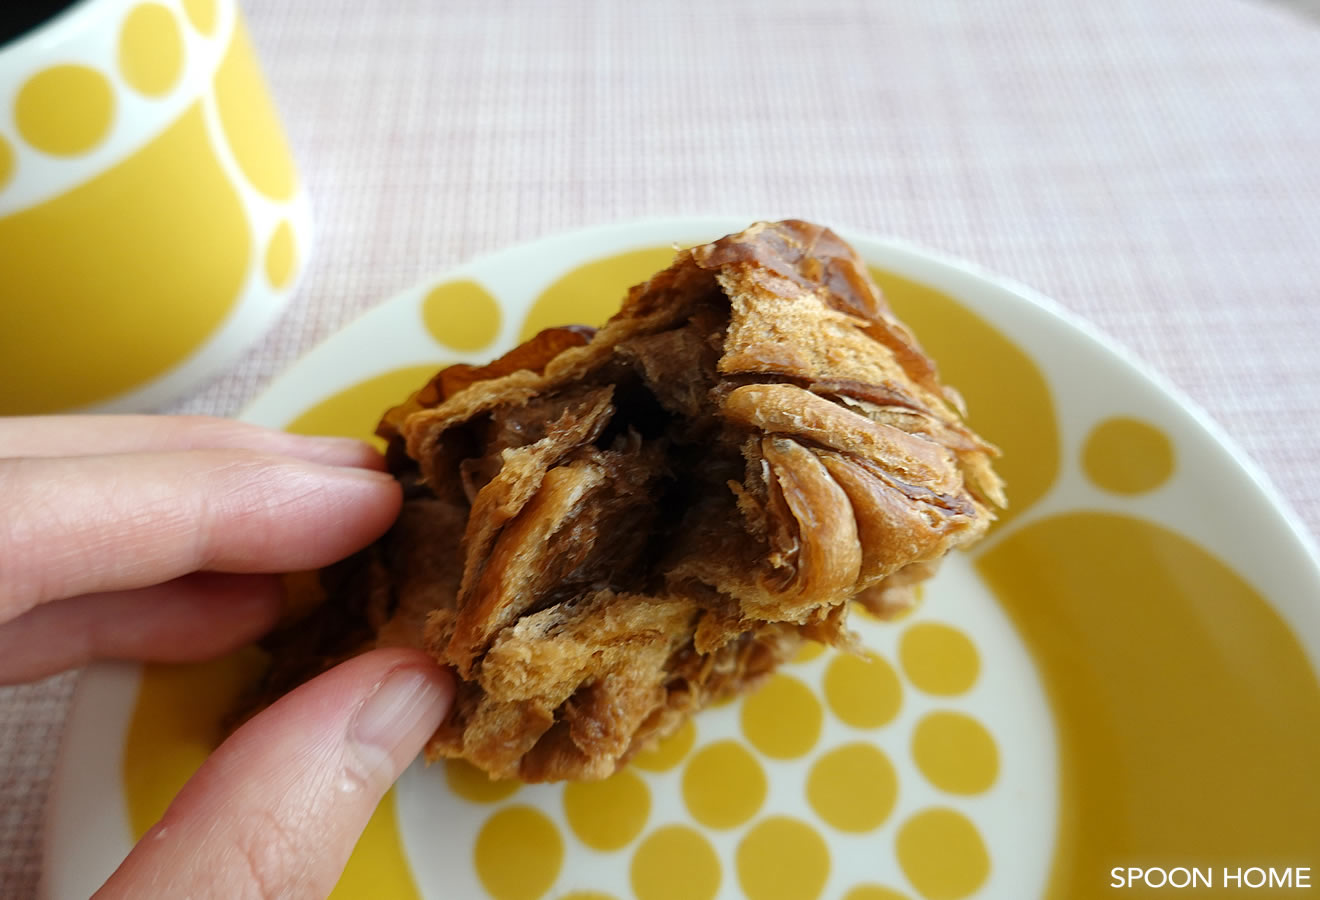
[407, 700]
[370, 476]
[333, 451]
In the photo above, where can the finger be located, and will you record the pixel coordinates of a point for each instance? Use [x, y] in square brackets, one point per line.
[199, 616]
[97, 435]
[80, 525]
[276, 811]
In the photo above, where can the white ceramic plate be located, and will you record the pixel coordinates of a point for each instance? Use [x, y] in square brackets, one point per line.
[1122, 674]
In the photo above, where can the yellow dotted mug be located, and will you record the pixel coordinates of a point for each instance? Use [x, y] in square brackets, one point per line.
[152, 222]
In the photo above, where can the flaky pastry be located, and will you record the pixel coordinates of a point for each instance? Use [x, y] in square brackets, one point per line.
[606, 531]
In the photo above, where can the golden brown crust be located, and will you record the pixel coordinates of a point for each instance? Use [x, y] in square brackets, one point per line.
[604, 533]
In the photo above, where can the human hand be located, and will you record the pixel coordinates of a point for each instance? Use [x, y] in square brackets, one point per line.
[159, 539]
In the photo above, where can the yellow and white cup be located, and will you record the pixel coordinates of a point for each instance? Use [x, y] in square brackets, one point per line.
[152, 222]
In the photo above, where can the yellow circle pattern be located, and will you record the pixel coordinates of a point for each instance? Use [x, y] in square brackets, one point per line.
[675, 863]
[65, 110]
[955, 752]
[863, 691]
[874, 892]
[6, 162]
[589, 294]
[853, 787]
[1127, 456]
[723, 785]
[519, 853]
[810, 650]
[281, 256]
[783, 718]
[783, 859]
[669, 752]
[250, 122]
[942, 854]
[354, 411]
[607, 815]
[202, 14]
[461, 315]
[151, 50]
[939, 659]
[474, 785]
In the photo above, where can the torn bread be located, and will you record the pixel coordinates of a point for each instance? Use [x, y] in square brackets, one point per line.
[604, 532]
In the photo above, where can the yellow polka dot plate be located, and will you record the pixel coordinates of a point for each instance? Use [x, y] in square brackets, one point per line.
[1122, 674]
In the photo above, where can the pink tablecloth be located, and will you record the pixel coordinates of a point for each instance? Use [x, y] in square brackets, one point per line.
[1151, 165]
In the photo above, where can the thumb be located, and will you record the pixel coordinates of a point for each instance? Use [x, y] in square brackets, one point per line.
[277, 809]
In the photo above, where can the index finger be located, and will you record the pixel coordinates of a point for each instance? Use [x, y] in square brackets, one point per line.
[74, 526]
[86, 435]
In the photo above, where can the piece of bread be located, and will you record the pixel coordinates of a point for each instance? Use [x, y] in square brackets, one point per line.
[605, 532]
